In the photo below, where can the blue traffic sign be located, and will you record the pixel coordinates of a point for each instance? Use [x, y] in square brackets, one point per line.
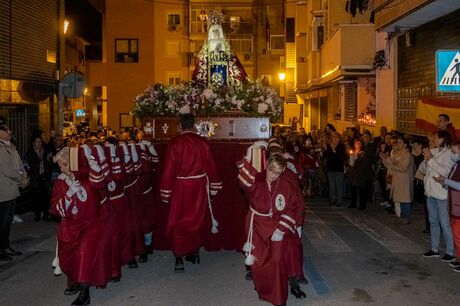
[448, 70]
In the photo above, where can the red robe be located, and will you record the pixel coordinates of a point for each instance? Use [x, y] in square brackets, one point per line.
[269, 271]
[293, 255]
[189, 166]
[79, 233]
[117, 199]
[147, 205]
[133, 200]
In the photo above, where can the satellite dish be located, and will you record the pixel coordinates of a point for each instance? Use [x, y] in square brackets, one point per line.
[73, 84]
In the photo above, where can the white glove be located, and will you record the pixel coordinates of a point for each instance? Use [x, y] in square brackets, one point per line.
[134, 152]
[94, 166]
[256, 144]
[73, 188]
[126, 152]
[287, 155]
[260, 143]
[277, 235]
[87, 151]
[299, 231]
[100, 153]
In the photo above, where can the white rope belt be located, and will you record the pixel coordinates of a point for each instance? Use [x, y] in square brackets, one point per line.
[215, 224]
[248, 246]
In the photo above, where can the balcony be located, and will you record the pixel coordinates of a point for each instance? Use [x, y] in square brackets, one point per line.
[350, 51]
[277, 44]
[397, 15]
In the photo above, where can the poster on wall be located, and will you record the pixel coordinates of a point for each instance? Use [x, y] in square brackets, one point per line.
[448, 70]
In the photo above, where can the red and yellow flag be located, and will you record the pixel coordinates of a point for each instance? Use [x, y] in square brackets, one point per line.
[428, 110]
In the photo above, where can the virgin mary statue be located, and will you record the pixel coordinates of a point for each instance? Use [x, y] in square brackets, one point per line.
[217, 65]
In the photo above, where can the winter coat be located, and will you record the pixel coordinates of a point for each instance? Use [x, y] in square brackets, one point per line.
[439, 165]
[10, 175]
[403, 169]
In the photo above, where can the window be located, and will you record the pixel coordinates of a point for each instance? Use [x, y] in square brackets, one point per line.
[290, 30]
[173, 20]
[126, 51]
[174, 78]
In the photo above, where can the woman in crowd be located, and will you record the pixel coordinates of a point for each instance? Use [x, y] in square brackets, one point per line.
[360, 171]
[381, 174]
[419, 188]
[335, 158]
[39, 161]
[438, 162]
[401, 165]
[453, 183]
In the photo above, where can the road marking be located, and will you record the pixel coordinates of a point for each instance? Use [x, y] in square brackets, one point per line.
[321, 236]
[384, 235]
[315, 279]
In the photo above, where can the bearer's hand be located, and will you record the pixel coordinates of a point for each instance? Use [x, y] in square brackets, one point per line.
[277, 235]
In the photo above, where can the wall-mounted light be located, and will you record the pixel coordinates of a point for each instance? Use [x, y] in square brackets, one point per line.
[282, 76]
[203, 16]
[66, 25]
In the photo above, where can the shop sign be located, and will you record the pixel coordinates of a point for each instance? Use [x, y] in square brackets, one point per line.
[448, 70]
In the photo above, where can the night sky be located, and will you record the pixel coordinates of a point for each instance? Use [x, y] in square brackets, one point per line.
[85, 20]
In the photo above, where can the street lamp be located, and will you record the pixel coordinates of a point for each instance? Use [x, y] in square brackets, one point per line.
[66, 25]
[282, 76]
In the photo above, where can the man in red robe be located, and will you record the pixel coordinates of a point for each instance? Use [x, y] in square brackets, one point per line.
[189, 176]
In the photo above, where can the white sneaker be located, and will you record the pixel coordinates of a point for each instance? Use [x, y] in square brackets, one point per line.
[385, 203]
[17, 219]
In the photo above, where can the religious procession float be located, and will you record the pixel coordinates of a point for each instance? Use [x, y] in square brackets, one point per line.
[231, 110]
[228, 105]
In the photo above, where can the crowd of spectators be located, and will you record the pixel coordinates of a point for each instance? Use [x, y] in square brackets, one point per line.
[391, 169]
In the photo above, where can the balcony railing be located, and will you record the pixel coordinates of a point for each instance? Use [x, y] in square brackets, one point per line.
[201, 27]
[277, 43]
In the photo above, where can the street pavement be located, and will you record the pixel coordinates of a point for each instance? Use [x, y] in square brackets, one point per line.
[351, 257]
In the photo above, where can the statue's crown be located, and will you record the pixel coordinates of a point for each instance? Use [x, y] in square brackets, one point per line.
[216, 17]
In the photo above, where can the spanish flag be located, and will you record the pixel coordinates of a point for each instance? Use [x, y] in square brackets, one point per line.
[429, 108]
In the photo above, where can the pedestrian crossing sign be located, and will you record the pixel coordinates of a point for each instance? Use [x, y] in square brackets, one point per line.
[448, 70]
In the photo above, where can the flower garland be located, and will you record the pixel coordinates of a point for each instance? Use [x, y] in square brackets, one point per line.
[253, 98]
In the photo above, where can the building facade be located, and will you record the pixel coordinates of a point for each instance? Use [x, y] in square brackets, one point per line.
[417, 29]
[335, 46]
[145, 42]
[31, 45]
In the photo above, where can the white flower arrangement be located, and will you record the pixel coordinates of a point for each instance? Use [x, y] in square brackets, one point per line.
[252, 98]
